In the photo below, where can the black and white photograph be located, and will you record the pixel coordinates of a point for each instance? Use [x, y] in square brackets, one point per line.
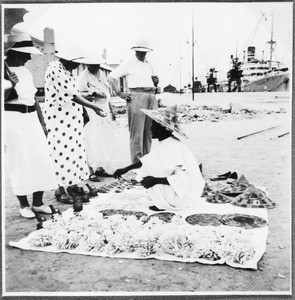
[147, 149]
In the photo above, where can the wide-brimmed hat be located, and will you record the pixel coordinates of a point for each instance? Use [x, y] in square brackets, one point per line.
[218, 198]
[167, 117]
[93, 61]
[70, 53]
[254, 197]
[20, 43]
[142, 46]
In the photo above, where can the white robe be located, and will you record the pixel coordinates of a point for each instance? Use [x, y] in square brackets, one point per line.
[174, 160]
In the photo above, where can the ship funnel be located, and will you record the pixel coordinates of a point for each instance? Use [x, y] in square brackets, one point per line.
[250, 54]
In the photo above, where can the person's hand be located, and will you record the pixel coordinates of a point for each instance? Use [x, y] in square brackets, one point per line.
[149, 182]
[155, 80]
[13, 78]
[98, 111]
[125, 96]
[100, 94]
[90, 98]
[119, 172]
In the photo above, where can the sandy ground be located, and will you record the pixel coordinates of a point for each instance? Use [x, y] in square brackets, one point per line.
[265, 160]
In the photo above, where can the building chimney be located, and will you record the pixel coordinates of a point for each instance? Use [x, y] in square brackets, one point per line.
[250, 54]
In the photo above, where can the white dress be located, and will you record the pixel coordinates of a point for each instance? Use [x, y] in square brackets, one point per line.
[64, 122]
[100, 141]
[174, 160]
[27, 155]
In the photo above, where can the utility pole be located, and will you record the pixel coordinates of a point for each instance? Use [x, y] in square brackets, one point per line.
[193, 58]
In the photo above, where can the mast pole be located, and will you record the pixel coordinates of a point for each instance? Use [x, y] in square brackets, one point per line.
[271, 42]
[193, 58]
[180, 67]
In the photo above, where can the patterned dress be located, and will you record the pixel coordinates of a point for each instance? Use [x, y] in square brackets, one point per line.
[64, 122]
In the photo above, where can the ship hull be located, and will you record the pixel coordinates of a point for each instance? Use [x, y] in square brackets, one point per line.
[274, 83]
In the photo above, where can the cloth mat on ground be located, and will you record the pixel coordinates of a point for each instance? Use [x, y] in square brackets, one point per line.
[143, 237]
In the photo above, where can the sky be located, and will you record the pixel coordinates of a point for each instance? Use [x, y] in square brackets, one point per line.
[220, 30]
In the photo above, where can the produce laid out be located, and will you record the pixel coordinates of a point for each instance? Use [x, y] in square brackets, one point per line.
[122, 225]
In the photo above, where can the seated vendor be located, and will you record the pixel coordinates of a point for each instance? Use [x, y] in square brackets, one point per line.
[170, 171]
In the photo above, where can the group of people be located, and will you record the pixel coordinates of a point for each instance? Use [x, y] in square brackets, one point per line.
[71, 139]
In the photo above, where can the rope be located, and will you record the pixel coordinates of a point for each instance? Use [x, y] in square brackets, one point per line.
[254, 31]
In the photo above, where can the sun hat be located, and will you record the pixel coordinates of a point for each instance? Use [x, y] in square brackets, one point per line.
[207, 190]
[142, 45]
[242, 180]
[20, 43]
[92, 61]
[71, 53]
[218, 197]
[167, 117]
[254, 197]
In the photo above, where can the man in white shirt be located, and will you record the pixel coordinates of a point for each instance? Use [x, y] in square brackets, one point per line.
[140, 94]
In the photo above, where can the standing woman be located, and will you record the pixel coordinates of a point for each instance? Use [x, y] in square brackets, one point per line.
[27, 154]
[64, 122]
[101, 148]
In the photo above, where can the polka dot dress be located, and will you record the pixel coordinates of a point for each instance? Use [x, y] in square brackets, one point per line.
[64, 123]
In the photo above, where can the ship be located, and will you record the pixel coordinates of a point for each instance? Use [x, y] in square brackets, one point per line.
[260, 75]
[264, 75]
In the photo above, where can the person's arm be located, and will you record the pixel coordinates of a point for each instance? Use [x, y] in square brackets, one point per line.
[12, 80]
[119, 172]
[7, 89]
[91, 93]
[150, 181]
[115, 85]
[113, 79]
[40, 116]
[80, 100]
[112, 111]
[70, 91]
[85, 91]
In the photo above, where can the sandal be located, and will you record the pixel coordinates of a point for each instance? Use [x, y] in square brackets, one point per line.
[72, 189]
[94, 178]
[41, 220]
[78, 204]
[63, 197]
[82, 194]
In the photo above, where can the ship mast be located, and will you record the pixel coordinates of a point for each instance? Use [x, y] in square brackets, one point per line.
[271, 42]
[193, 58]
